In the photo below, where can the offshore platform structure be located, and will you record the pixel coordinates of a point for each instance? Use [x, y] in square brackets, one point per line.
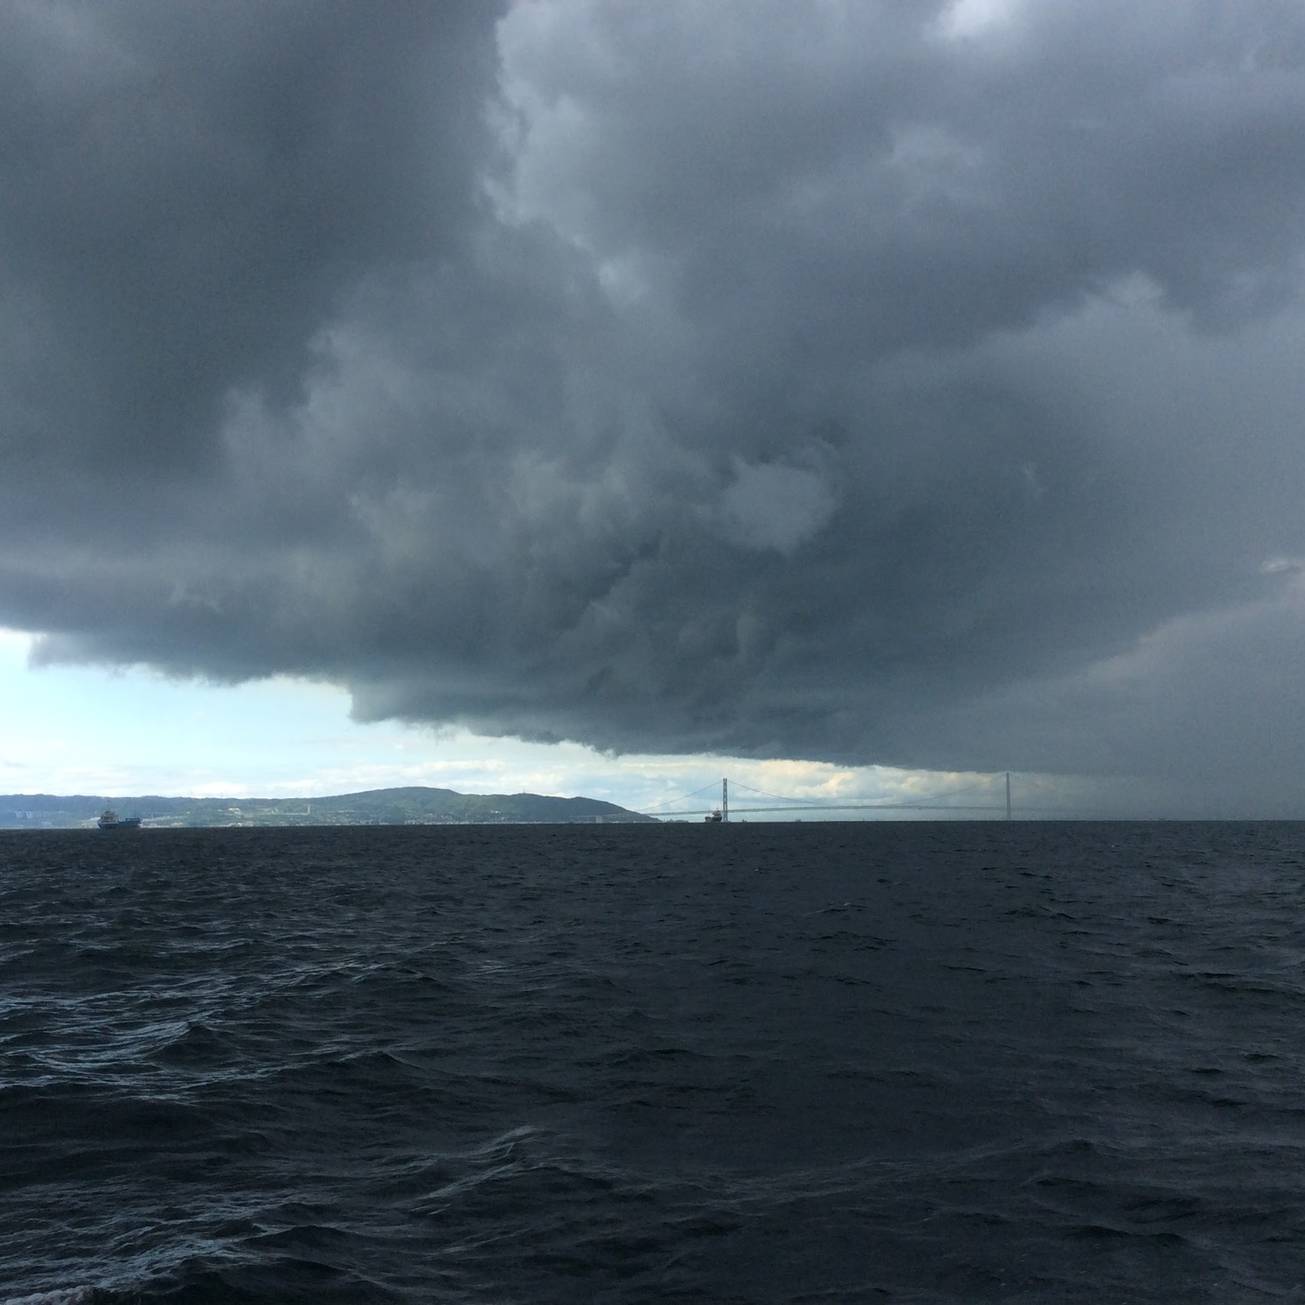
[721, 815]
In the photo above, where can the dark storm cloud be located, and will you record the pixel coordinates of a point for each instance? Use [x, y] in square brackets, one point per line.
[868, 382]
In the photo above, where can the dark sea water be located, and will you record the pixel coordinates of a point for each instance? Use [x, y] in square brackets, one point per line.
[807, 1063]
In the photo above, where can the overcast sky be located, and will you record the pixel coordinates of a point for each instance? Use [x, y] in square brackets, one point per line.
[888, 382]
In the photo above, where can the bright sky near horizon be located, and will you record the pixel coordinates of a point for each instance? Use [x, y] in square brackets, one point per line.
[130, 731]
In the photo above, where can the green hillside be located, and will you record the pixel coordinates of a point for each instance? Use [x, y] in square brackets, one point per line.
[384, 806]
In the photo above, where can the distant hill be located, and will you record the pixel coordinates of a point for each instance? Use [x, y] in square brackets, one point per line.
[382, 806]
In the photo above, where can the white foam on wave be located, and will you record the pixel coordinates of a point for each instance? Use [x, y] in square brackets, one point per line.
[71, 1296]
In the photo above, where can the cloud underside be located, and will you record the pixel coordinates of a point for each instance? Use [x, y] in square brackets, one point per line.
[859, 382]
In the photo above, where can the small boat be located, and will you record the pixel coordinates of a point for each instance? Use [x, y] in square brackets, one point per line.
[110, 819]
[714, 817]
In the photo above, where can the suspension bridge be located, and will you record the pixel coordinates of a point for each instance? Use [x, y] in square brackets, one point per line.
[757, 801]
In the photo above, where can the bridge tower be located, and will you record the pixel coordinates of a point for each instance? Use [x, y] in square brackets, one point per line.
[725, 800]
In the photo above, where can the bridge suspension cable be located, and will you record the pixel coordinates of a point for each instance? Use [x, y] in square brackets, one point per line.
[681, 797]
[925, 800]
[938, 801]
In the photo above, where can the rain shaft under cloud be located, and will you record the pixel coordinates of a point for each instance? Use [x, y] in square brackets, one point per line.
[916, 384]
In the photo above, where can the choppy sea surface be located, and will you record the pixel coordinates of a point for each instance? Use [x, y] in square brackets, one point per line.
[743, 1063]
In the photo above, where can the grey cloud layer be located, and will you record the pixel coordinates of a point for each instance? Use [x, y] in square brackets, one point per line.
[838, 381]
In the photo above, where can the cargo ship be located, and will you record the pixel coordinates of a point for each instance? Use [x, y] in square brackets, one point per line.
[112, 820]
